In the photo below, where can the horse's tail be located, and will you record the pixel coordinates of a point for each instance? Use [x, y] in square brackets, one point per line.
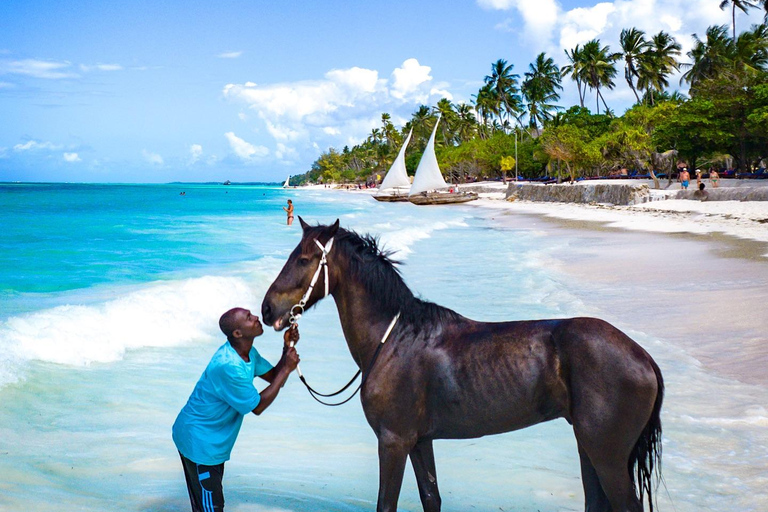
[645, 458]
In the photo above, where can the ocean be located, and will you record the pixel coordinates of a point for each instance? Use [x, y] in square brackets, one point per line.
[109, 302]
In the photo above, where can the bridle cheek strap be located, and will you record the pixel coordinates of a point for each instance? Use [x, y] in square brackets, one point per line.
[323, 266]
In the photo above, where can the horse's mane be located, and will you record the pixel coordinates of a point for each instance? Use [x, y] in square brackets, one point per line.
[378, 272]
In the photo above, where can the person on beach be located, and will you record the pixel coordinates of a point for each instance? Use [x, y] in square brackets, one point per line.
[714, 178]
[701, 194]
[685, 178]
[207, 427]
[289, 211]
[698, 179]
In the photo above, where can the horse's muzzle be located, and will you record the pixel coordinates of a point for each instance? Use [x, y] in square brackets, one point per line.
[270, 317]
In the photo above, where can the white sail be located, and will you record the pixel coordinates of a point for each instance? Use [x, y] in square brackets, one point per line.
[397, 175]
[287, 180]
[428, 175]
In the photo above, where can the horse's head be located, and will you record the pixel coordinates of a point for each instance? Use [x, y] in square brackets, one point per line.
[295, 278]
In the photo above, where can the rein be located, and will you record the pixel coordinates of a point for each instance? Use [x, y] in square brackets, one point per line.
[294, 318]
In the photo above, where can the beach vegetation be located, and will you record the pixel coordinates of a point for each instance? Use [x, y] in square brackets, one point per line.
[721, 120]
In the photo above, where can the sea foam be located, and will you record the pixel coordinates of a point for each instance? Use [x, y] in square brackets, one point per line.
[159, 314]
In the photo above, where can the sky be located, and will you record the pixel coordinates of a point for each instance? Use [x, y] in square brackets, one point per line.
[255, 90]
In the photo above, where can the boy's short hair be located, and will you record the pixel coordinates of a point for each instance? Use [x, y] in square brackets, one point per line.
[228, 322]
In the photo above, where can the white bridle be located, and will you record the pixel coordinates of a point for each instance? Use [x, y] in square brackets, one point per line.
[324, 249]
[323, 265]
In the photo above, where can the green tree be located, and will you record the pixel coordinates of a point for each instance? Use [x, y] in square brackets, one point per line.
[600, 69]
[633, 47]
[742, 5]
[709, 56]
[504, 87]
[576, 70]
[542, 81]
[657, 63]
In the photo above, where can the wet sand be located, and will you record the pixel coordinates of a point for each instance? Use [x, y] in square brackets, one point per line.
[706, 294]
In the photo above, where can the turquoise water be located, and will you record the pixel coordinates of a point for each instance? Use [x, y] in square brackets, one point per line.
[110, 296]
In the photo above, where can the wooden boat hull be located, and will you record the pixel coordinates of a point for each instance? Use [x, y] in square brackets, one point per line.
[391, 198]
[442, 198]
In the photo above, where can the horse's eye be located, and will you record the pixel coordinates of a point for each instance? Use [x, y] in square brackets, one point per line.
[303, 261]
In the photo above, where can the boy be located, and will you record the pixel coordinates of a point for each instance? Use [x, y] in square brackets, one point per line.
[206, 428]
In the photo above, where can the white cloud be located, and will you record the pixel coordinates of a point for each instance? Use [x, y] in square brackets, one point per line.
[195, 152]
[5, 85]
[101, 67]
[71, 157]
[33, 145]
[583, 24]
[38, 68]
[338, 109]
[283, 152]
[406, 80]
[229, 55]
[152, 158]
[245, 150]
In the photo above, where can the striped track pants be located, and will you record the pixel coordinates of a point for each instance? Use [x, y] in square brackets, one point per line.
[204, 486]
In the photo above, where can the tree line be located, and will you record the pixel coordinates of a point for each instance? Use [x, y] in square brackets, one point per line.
[515, 122]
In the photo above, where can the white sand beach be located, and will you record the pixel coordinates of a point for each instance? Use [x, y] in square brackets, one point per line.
[740, 219]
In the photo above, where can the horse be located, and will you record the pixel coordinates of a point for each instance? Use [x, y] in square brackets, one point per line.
[441, 375]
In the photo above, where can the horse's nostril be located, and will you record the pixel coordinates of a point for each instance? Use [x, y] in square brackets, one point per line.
[266, 312]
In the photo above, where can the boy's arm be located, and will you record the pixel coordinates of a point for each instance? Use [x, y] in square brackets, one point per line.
[291, 336]
[287, 364]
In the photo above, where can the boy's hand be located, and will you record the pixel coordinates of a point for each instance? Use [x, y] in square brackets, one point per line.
[291, 359]
[291, 336]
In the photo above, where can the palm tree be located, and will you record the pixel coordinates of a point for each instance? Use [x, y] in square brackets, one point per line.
[540, 89]
[634, 45]
[504, 86]
[486, 107]
[576, 70]
[750, 50]
[657, 63]
[445, 109]
[709, 56]
[466, 123]
[743, 5]
[599, 68]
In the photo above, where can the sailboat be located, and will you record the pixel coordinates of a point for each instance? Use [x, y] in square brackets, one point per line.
[429, 187]
[287, 180]
[396, 183]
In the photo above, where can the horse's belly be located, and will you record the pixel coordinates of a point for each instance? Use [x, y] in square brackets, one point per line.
[463, 423]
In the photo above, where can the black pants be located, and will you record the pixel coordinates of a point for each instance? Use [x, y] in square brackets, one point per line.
[204, 485]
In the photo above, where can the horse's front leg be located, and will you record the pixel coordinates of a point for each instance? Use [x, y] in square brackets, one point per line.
[423, 460]
[393, 451]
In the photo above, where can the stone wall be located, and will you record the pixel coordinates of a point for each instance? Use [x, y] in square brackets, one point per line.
[726, 194]
[620, 194]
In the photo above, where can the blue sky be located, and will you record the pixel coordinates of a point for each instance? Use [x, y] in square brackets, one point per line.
[147, 91]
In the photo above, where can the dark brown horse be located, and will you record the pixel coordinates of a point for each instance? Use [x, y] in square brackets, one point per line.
[443, 376]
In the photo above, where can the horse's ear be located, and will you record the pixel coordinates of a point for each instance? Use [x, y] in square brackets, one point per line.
[304, 225]
[335, 227]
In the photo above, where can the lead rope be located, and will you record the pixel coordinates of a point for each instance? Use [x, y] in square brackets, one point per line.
[314, 394]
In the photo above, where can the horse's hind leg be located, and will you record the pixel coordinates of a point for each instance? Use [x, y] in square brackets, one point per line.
[595, 499]
[423, 460]
[607, 459]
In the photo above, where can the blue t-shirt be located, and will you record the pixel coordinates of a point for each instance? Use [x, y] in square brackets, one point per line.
[206, 428]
